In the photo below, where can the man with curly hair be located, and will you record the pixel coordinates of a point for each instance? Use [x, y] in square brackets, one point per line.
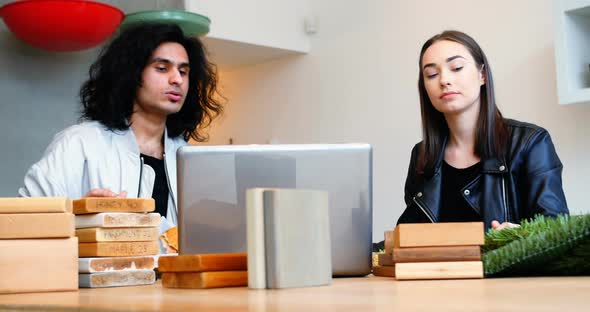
[149, 92]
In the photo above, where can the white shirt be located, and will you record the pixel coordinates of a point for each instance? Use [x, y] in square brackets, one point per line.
[88, 156]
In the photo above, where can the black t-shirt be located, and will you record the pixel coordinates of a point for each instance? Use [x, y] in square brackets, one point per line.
[160, 192]
[454, 208]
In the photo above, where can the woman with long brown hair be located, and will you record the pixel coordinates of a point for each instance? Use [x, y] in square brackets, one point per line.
[473, 164]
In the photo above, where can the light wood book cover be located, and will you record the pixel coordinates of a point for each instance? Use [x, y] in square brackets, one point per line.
[437, 254]
[205, 279]
[117, 234]
[38, 265]
[117, 279]
[35, 204]
[118, 219]
[385, 259]
[108, 204]
[438, 270]
[385, 271]
[276, 215]
[36, 225]
[118, 249]
[389, 241]
[107, 264]
[439, 234]
[203, 262]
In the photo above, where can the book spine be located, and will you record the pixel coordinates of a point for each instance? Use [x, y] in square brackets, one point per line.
[255, 239]
[36, 225]
[35, 205]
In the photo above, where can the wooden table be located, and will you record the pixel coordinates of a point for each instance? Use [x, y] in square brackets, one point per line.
[562, 294]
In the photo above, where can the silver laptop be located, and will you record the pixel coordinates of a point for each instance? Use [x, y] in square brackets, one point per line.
[212, 184]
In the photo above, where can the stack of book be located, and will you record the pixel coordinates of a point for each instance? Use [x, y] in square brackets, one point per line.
[386, 266]
[438, 250]
[37, 243]
[204, 270]
[117, 240]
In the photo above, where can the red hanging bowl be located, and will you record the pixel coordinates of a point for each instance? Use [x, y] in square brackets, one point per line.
[61, 25]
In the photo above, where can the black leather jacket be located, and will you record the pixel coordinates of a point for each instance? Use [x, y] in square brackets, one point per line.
[525, 182]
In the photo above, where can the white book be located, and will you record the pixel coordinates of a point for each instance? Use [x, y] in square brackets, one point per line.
[118, 219]
[288, 238]
[116, 279]
[255, 238]
[109, 264]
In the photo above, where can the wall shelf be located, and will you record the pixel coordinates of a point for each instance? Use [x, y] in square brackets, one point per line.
[572, 50]
[251, 32]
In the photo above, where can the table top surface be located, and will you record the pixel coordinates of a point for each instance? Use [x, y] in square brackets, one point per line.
[345, 294]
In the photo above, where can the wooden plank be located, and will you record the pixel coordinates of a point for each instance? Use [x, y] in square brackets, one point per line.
[38, 265]
[117, 279]
[389, 241]
[35, 205]
[117, 234]
[118, 249]
[385, 271]
[106, 264]
[109, 204]
[36, 225]
[118, 219]
[385, 259]
[205, 279]
[439, 234]
[439, 270]
[437, 254]
[203, 262]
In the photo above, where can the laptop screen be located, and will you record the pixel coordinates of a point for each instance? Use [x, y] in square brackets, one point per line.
[212, 182]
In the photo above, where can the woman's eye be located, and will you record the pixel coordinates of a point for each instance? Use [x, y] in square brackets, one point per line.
[457, 68]
[431, 76]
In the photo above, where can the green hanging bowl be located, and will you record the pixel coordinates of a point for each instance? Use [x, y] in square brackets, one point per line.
[192, 24]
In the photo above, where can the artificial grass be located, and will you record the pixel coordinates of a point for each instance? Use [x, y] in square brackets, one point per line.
[541, 246]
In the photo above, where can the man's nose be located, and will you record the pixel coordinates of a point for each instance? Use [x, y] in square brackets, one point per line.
[175, 77]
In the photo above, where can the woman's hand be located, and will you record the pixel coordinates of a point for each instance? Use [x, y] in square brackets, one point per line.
[105, 193]
[506, 225]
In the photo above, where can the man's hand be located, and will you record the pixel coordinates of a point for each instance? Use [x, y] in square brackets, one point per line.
[105, 193]
[506, 225]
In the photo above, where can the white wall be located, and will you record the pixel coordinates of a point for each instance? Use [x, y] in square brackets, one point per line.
[358, 84]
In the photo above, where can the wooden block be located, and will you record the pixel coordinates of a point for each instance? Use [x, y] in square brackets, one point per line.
[385, 259]
[439, 270]
[36, 225]
[205, 279]
[169, 240]
[38, 265]
[385, 271]
[35, 204]
[109, 204]
[117, 279]
[93, 265]
[118, 219]
[389, 241]
[117, 234]
[439, 234]
[203, 262]
[437, 254]
[118, 249]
